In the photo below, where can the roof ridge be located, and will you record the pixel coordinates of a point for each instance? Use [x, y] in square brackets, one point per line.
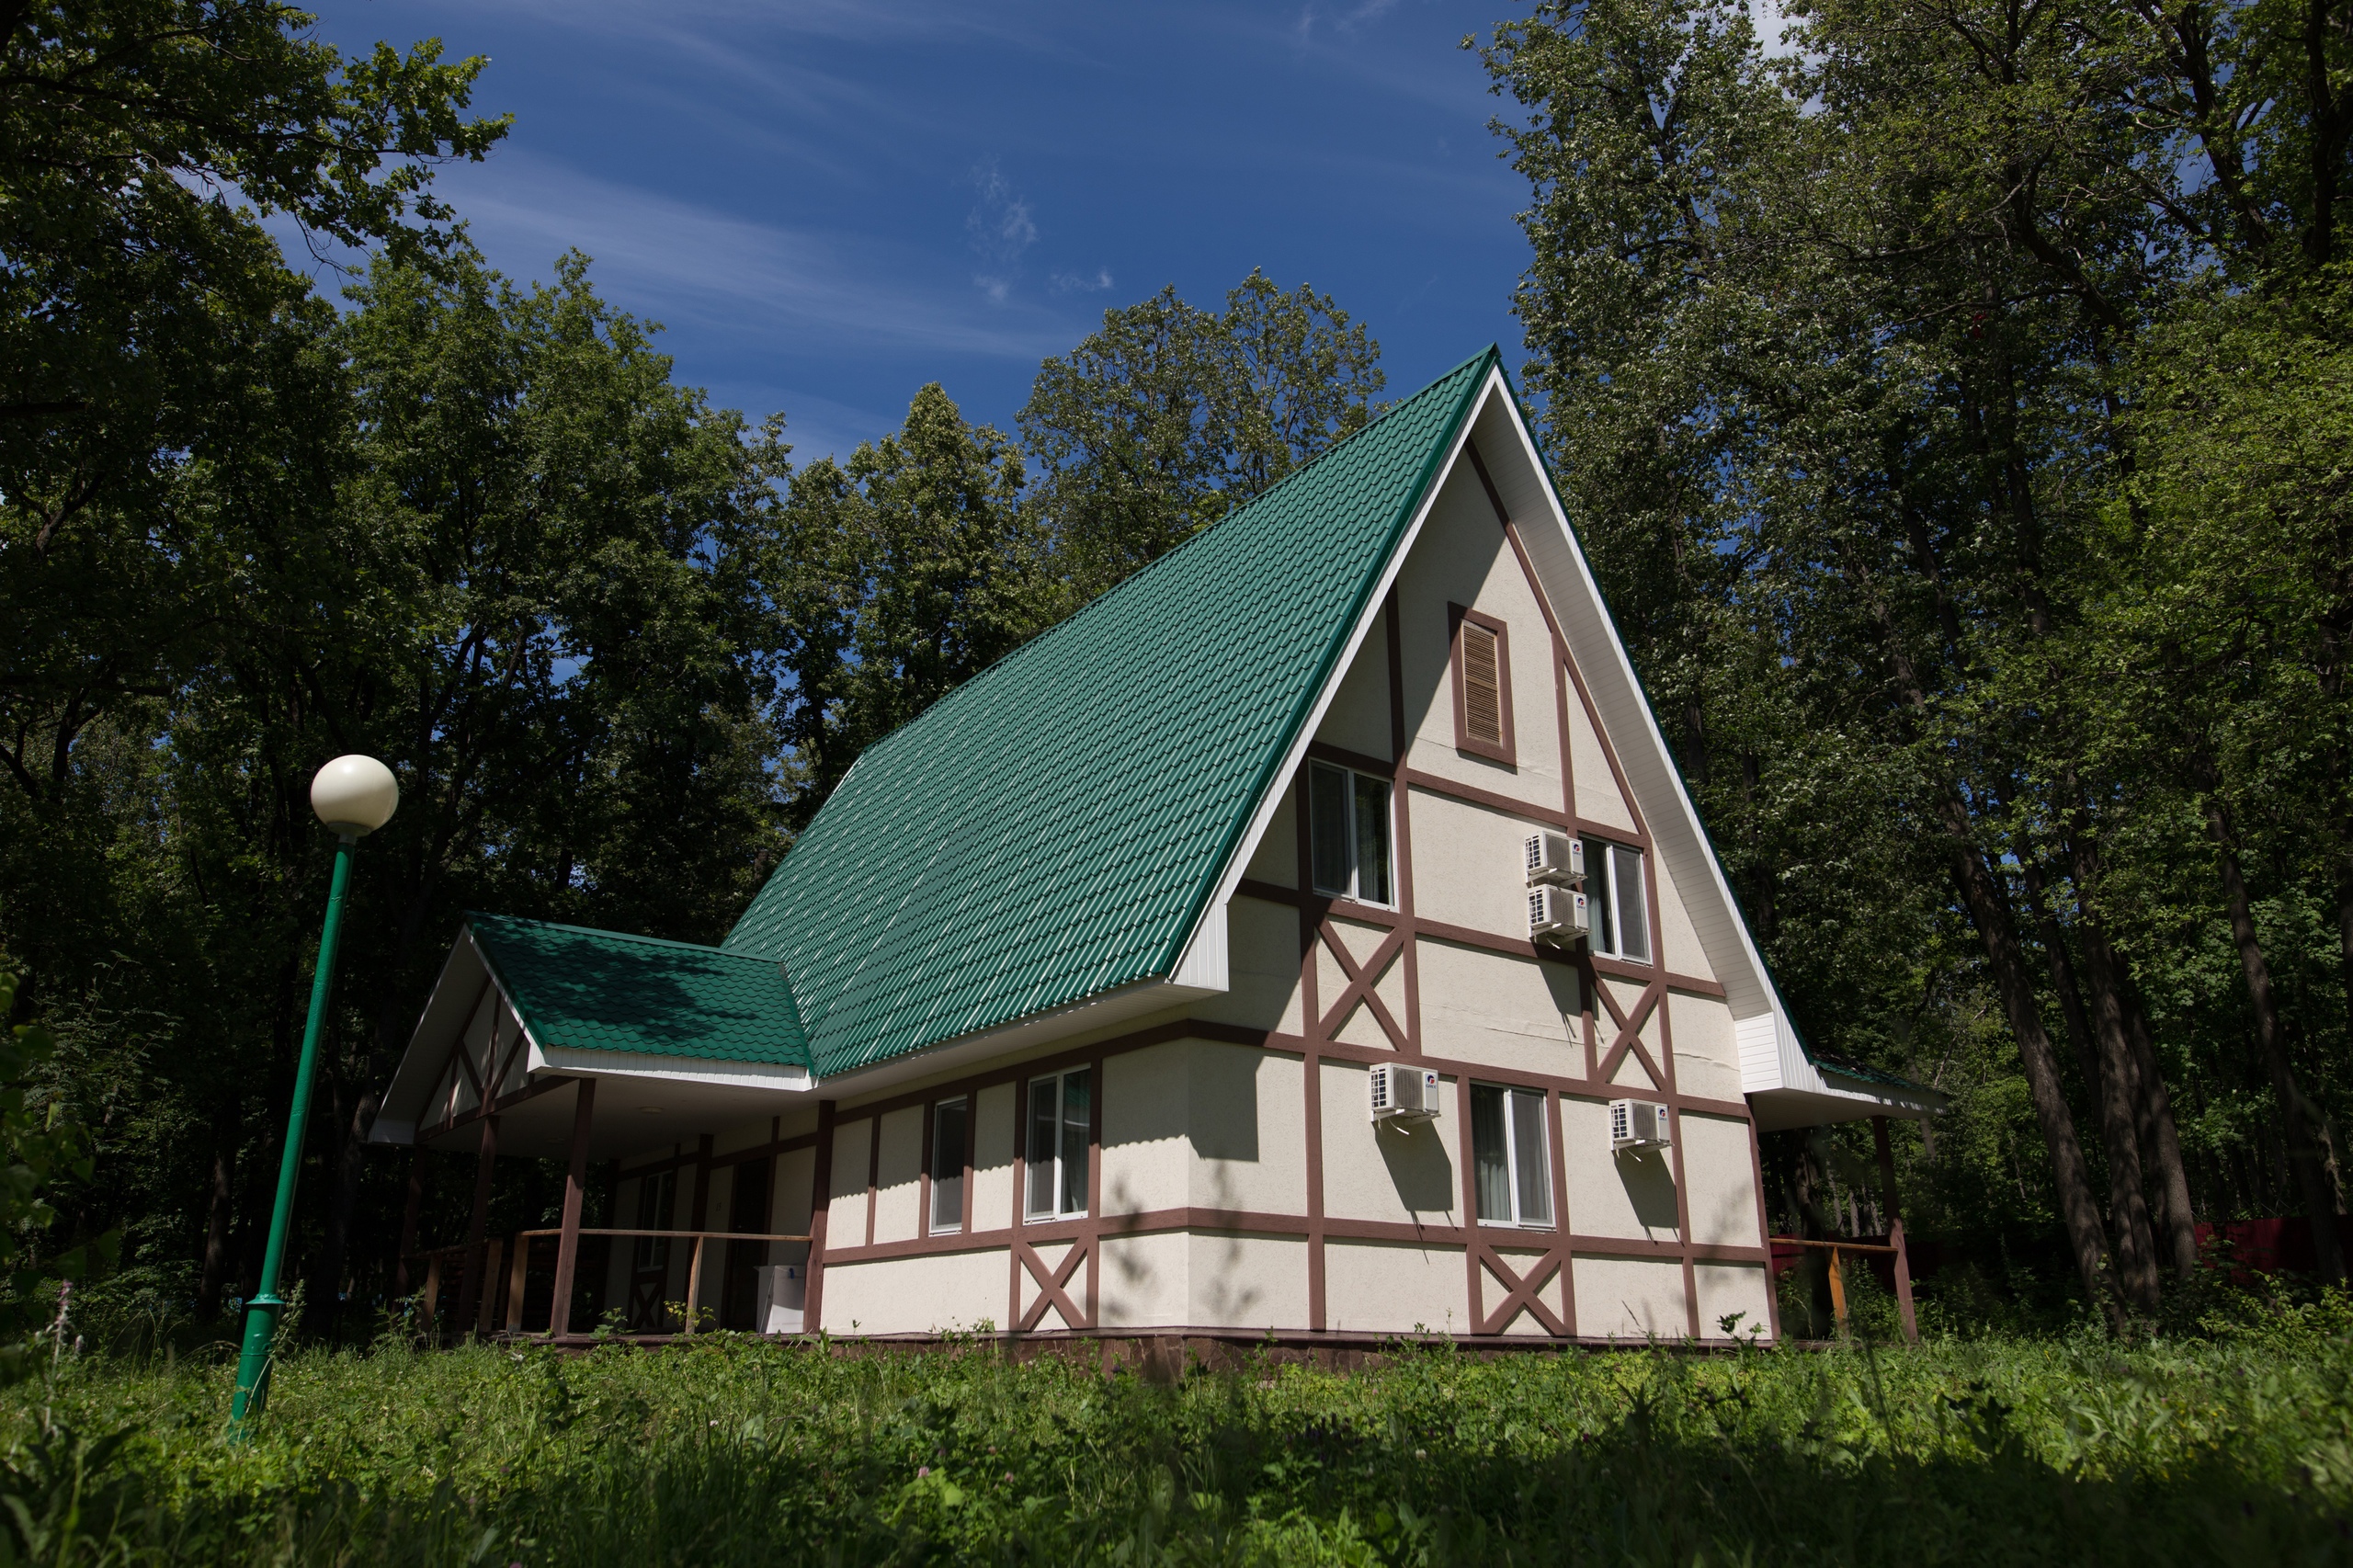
[475, 915]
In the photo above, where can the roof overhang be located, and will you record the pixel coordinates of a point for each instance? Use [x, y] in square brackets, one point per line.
[641, 1099]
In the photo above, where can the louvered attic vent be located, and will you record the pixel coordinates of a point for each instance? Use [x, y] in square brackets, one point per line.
[1482, 704]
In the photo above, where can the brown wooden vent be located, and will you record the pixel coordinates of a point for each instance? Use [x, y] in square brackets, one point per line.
[1482, 704]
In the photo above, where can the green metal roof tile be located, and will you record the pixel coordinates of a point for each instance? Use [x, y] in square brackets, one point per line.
[584, 990]
[1051, 829]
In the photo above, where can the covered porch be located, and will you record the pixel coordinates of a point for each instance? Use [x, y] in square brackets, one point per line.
[618, 1057]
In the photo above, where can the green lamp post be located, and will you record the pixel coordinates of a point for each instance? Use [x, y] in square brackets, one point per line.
[354, 796]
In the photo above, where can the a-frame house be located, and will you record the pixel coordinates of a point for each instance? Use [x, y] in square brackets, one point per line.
[1190, 971]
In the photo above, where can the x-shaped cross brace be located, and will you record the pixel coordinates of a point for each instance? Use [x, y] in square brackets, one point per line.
[1361, 983]
[1049, 1285]
[1522, 1294]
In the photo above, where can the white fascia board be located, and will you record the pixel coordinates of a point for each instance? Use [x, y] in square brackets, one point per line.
[668, 1069]
[1246, 847]
[429, 1046]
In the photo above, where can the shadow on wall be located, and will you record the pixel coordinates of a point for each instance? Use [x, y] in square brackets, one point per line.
[1649, 1187]
[1226, 1293]
[1225, 1120]
[1568, 998]
[1419, 1167]
[1734, 1217]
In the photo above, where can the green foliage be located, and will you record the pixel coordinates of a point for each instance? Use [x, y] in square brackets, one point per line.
[1953, 409]
[1155, 425]
[41, 1147]
[897, 576]
[733, 1450]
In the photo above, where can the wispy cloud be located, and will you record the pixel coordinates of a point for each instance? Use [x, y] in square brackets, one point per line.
[679, 262]
[1080, 282]
[1002, 231]
[1347, 19]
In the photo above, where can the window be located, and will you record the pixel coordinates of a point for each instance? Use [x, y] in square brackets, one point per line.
[1615, 900]
[1059, 1118]
[1481, 660]
[1514, 1180]
[1349, 833]
[948, 1122]
[656, 1195]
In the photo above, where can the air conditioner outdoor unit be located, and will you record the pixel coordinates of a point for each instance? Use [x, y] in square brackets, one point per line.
[1637, 1124]
[1554, 858]
[1399, 1091]
[1556, 913]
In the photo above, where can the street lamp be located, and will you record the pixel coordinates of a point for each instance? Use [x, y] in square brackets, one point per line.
[354, 796]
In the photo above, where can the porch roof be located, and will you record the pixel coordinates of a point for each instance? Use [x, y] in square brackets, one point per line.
[581, 990]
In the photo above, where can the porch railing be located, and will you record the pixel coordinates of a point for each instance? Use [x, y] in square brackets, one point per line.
[1839, 1246]
[516, 1257]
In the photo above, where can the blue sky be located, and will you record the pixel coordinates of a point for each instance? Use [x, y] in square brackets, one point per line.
[828, 204]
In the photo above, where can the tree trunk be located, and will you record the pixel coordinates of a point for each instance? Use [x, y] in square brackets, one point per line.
[2107, 1079]
[1989, 909]
[2295, 1123]
[2152, 1108]
[219, 1211]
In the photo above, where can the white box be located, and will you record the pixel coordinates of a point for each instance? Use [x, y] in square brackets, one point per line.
[782, 1291]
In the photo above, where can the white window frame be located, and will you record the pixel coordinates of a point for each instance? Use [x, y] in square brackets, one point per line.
[1348, 835]
[1060, 1160]
[1608, 862]
[951, 1226]
[1514, 1156]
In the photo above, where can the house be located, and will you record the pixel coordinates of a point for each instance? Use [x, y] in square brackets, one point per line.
[1310, 937]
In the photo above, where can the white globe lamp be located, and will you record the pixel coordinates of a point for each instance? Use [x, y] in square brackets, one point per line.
[355, 795]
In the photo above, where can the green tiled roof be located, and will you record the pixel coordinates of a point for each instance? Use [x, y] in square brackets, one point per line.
[587, 990]
[1052, 830]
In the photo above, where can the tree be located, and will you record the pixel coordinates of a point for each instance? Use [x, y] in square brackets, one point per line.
[1157, 425]
[899, 575]
[138, 140]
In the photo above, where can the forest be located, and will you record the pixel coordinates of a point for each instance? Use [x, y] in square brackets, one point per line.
[1953, 399]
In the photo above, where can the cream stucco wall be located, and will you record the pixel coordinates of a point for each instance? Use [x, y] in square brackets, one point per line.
[1498, 1010]
[1394, 1288]
[919, 1295]
[1723, 1179]
[1631, 1298]
[1357, 720]
[1612, 1194]
[1387, 1172]
[1729, 1288]
[898, 1176]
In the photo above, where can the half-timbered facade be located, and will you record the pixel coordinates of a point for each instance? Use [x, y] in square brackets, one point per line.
[1064, 1016]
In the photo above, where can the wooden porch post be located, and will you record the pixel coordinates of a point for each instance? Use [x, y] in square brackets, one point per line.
[1903, 1284]
[518, 1280]
[576, 1182]
[470, 1283]
[408, 1220]
[486, 1311]
[701, 1211]
[821, 1187]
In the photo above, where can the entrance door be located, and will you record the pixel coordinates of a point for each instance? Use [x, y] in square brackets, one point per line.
[649, 1277]
[747, 1209]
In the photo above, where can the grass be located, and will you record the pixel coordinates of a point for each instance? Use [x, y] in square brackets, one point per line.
[2236, 1449]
